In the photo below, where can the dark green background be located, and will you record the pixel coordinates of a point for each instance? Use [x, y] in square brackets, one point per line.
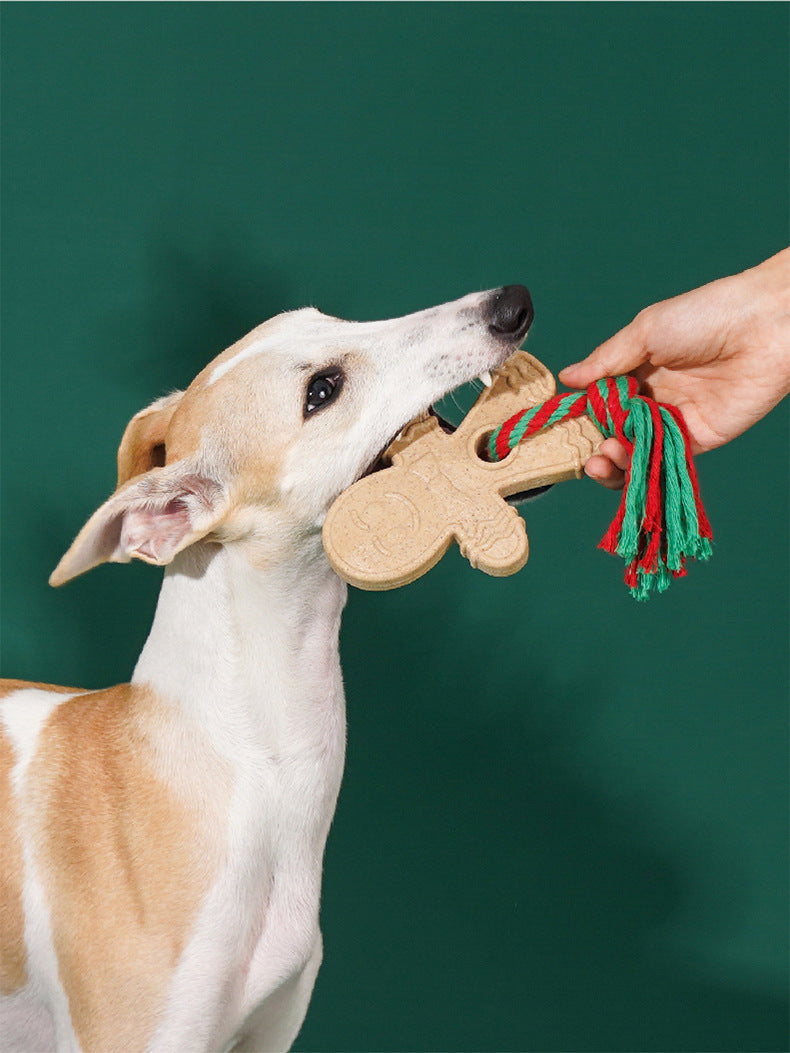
[564, 819]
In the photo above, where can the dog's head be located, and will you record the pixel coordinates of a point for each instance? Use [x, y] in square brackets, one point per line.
[270, 432]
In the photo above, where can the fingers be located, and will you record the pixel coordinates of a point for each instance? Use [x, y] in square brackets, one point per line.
[621, 353]
[608, 466]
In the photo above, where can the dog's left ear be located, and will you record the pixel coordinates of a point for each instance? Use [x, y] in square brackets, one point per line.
[143, 443]
[153, 517]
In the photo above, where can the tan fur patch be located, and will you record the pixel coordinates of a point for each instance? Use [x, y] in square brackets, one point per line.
[143, 443]
[256, 452]
[121, 860]
[7, 687]
[13, 973]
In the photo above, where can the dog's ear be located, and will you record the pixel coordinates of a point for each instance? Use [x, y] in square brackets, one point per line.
[143, 443]
[153, 517]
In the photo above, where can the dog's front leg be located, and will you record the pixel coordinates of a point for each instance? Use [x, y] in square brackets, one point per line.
[274, 1025]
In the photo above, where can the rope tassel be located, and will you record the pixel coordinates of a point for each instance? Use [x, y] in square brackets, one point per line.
[660, 523]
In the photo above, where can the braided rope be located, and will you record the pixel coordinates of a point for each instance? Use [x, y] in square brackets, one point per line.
[660, 522]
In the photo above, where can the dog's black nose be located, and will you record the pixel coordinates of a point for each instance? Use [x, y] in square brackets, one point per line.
[511, 312]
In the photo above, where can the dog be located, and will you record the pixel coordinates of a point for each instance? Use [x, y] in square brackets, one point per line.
[162, 840]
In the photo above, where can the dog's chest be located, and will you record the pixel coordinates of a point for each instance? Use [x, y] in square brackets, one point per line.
[257, 932]
[258, 925]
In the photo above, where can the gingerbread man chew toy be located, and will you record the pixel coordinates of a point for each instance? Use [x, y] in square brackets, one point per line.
[392, 526]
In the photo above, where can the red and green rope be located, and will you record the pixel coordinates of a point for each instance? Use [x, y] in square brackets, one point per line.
[660, 523]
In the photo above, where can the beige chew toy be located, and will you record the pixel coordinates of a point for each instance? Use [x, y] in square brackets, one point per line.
[390, 527]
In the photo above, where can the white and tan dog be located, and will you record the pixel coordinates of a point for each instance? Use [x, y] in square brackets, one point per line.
[162, 841]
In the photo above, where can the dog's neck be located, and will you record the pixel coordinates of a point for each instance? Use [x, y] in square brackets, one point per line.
[250, 654]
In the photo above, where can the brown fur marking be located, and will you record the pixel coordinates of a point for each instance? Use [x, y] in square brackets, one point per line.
[143, 443]
[7, 687]
[121, 862]
[13, 970]
[13, 973]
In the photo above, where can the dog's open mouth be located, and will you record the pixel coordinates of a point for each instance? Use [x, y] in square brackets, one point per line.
[399, 441]
[384, 459]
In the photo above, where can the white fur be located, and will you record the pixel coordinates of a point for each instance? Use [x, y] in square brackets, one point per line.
[25, 1014]
[265, 644]
[243, 651]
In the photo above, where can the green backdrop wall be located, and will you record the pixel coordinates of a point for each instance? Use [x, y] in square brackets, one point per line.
[564, 821]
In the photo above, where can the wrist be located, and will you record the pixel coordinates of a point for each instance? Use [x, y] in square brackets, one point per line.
[769, 292]
[770, 281]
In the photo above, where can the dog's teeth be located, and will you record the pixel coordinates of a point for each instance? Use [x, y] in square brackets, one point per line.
[486, 378]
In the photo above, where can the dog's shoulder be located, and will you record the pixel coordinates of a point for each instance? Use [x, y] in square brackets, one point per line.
[111, 839]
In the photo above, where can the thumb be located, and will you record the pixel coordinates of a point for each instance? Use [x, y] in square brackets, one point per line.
[621, 353]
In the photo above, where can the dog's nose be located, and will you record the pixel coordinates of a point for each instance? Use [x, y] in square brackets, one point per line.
[510, 312]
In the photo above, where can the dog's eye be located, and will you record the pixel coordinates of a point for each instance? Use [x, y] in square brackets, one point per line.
[323, 387]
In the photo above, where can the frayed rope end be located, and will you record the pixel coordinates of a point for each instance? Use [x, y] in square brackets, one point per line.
[660, 523]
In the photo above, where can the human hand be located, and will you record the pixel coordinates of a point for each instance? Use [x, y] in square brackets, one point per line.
[720, 353]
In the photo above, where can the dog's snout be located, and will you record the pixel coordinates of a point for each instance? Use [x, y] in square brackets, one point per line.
[510, 312]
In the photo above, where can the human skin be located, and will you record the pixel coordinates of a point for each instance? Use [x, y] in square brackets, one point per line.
[720, 353]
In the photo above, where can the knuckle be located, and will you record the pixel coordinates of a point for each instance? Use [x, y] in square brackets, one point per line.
[644, 321]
